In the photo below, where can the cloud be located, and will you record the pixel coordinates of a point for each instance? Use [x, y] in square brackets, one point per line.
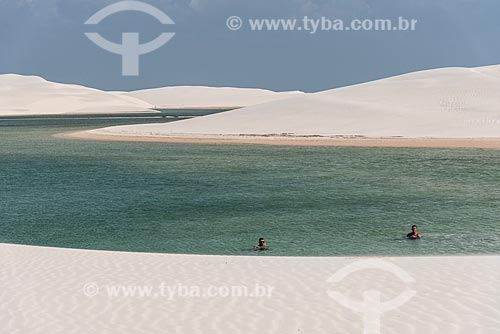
[329, 6]
[38, 9]
[288, 7]
[197, 4]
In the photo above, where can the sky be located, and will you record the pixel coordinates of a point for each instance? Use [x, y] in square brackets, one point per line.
[46, 38]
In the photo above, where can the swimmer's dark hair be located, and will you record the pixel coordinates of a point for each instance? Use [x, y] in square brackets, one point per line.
[413, 226]
[261, 239]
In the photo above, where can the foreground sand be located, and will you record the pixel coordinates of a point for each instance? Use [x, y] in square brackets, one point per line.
[48, 290]
[491, 143]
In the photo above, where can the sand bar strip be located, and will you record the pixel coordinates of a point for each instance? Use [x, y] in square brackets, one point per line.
[487, 143]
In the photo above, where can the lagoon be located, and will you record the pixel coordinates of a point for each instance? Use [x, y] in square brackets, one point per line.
[218, 199]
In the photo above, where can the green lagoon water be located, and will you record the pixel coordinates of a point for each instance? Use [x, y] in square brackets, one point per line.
[215, 199]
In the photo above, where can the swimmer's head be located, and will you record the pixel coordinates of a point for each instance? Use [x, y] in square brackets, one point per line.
[414, 227]
[261, 241]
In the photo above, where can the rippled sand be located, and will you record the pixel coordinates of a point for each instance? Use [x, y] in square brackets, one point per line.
[48, 290]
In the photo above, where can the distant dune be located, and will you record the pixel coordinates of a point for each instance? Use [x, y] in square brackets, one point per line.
[441, 103]
[203, 97]
[31, 95]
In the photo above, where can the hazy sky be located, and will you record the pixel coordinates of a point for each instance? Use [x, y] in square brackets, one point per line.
[46, 38]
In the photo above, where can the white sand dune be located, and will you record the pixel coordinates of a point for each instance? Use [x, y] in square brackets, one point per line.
[213, 97]
[441, 103]
[31, 95]
[48, 290]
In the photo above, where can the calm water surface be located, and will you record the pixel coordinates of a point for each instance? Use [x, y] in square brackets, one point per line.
[215, 199]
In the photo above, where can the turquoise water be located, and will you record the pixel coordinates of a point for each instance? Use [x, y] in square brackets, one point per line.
[209, 199]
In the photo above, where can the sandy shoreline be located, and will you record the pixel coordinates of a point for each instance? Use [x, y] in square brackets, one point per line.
[487, 143]
[49, 290]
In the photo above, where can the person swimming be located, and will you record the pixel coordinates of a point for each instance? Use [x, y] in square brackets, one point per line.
[261, 246]
[414, 233]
